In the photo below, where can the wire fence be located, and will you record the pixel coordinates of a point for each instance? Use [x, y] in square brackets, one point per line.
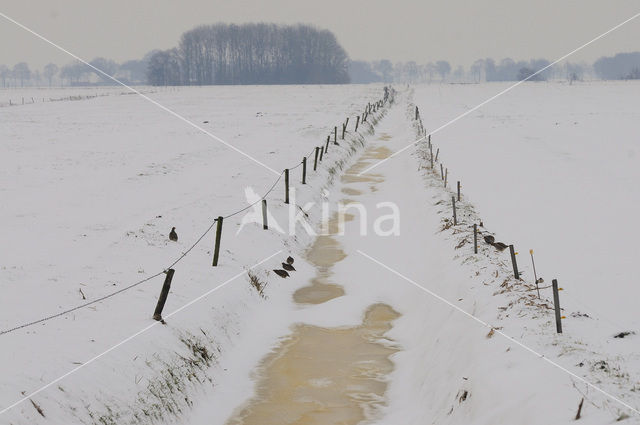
[370, 108]
[488, 237]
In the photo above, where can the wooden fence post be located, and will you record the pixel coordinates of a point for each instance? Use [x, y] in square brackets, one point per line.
[417, 114]
[357, 122]
[315, 159]
[326, 148]
[431, 154]
[556, 305]
[344, 128]
[265, 224]
[513, 261]
[321, 153]
[304, 170]
[216, 251]
[475, 238]
[437, 153]
[286, 186]
[458, 190]
[441, 172]
[455, 217]
[335, 135]
[446, 174]
[164, 293]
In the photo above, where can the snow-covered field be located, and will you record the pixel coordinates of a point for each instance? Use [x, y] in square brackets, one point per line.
[93, 187]
[554, 168]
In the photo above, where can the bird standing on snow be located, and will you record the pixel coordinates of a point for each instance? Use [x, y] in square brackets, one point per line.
[173, 235]
[281, 273]
[288, 267]
[290, 260]
[500, 246]
[489, 239]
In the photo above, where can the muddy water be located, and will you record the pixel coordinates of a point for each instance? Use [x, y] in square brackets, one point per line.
[324, 376]
[321, 376]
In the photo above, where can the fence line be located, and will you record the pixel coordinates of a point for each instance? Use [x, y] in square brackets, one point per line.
[180, 258]
[498, 245]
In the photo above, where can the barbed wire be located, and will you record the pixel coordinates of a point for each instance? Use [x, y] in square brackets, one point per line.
[53, 316]
[140, 282]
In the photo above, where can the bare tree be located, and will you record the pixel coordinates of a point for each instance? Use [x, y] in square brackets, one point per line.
[22, 72]
[476, 69]
[74, 72]
[443, 69]
[49, 71]
[107, 66]
[164, 68]
[4, 74]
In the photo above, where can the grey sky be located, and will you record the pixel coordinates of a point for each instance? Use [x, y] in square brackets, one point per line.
[455, 30]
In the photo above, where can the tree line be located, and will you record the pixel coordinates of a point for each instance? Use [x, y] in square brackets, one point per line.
[251, 54]
[487, 69]
[298, 54]
[75, 73]
[623, 66]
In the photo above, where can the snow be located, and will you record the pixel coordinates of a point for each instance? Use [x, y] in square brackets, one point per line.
[93, 188]
[96, 185]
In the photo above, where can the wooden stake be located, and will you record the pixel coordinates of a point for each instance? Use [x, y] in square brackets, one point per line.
[579, 409]
[344, 128]
[441, 172]
[446, 174]
[321, 153]
[315, 159]
[437, 153]
[304, 170]
[326, 147]
[335, 135]
[357, 122]
[455, 217]
[286, 186]
[265, 224]
[164, 293]
[514, 262]
[216, 251]
[556, 305]
[458, 190]
[431, 154]
[475, 238]
[417, 114]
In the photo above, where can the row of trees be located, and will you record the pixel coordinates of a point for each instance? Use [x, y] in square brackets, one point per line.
[75, 73]
[623, 66]
[251, 54]
[481, 70]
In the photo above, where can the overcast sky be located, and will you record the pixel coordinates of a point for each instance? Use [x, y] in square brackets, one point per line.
[400, 30]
